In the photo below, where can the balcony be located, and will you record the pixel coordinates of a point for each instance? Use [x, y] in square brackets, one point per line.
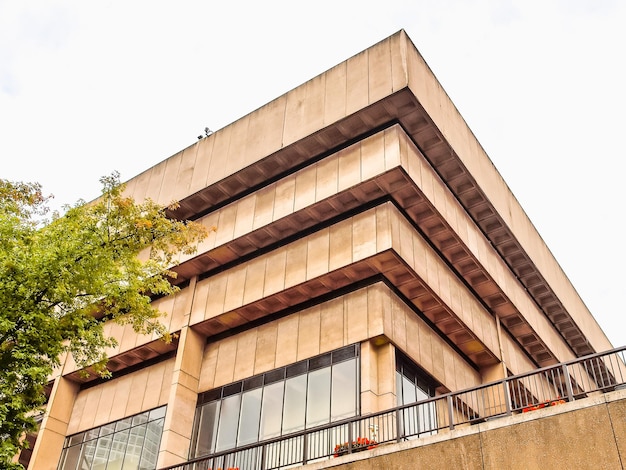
[525, 393]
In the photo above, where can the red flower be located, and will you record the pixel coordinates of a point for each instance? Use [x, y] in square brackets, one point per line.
[361, 443]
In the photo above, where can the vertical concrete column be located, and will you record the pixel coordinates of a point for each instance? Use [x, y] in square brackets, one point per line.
[183, 397]
[378, 372]
[493, 398]
[49, 444]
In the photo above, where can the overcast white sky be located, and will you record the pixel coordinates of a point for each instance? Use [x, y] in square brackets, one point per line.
[90, 87]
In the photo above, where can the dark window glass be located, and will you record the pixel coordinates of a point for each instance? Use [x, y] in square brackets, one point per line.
[253, 382]
[275, 376]
[297, 369]
[319, 362]
[231, 389]
[344, 354]
[210, 395]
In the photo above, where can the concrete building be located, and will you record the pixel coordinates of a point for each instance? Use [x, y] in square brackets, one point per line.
[367, 255]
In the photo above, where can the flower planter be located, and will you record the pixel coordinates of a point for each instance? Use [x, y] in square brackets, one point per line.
[361, 443]
[539, 406]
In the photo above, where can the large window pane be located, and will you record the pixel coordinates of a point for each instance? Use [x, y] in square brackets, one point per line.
[151, 444]
[131, 443]
[308, 393]
[118, 449]
[102, 452]
[272, 410]
[410, 414]
[318, 397]
[135, 445]
[229, 419]
[70, 458]
[295, 403]
[250, 417]
[344, 390]
[409, 394]
[413, 386]
[207, 428]
[86, 457]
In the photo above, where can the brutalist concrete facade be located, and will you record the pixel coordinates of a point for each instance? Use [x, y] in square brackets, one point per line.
[358, 208]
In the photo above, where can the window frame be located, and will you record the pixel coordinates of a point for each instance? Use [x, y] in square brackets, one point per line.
[290, 374]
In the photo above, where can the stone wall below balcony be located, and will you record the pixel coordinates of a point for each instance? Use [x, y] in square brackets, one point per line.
[586, 434]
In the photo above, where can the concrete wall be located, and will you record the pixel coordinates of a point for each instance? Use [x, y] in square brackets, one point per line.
[585, 434]
[338, 190]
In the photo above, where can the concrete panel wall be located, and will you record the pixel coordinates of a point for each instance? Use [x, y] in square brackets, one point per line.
[113, 400]
[370, 312]
[349, 87]
[360, 162]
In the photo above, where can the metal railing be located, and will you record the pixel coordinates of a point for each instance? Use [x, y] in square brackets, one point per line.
[552, 385]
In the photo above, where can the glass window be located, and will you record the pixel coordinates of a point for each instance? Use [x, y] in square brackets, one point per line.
[295, 402]
[152, 442]
[118, 448]
[206, 427]
[318, 393]
[70, 457]
[102, 451]
[250, 417]
[272, 410]
[229, 419]
[86, 458]
[344, 391]
[129, 443]
[308, 393]
[413, 385]
[135, 446]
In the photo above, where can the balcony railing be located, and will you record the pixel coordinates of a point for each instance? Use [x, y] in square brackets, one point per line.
[549, 386]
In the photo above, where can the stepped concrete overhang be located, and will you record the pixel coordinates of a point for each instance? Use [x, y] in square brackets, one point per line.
[387, 86]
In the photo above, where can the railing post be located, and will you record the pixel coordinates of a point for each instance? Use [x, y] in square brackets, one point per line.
[350, 438]
[305, 446]
[568, 383]
[450, 412]
[507, 397]
[398, 425]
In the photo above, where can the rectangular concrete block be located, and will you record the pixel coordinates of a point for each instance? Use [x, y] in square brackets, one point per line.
[309, 333]
[287, 340]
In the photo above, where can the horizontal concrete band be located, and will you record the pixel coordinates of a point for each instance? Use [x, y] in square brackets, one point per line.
[385, 164]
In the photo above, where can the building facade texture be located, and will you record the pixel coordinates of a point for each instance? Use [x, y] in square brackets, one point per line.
[367, 254]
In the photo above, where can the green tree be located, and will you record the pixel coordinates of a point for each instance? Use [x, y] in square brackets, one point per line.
[62, 278]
